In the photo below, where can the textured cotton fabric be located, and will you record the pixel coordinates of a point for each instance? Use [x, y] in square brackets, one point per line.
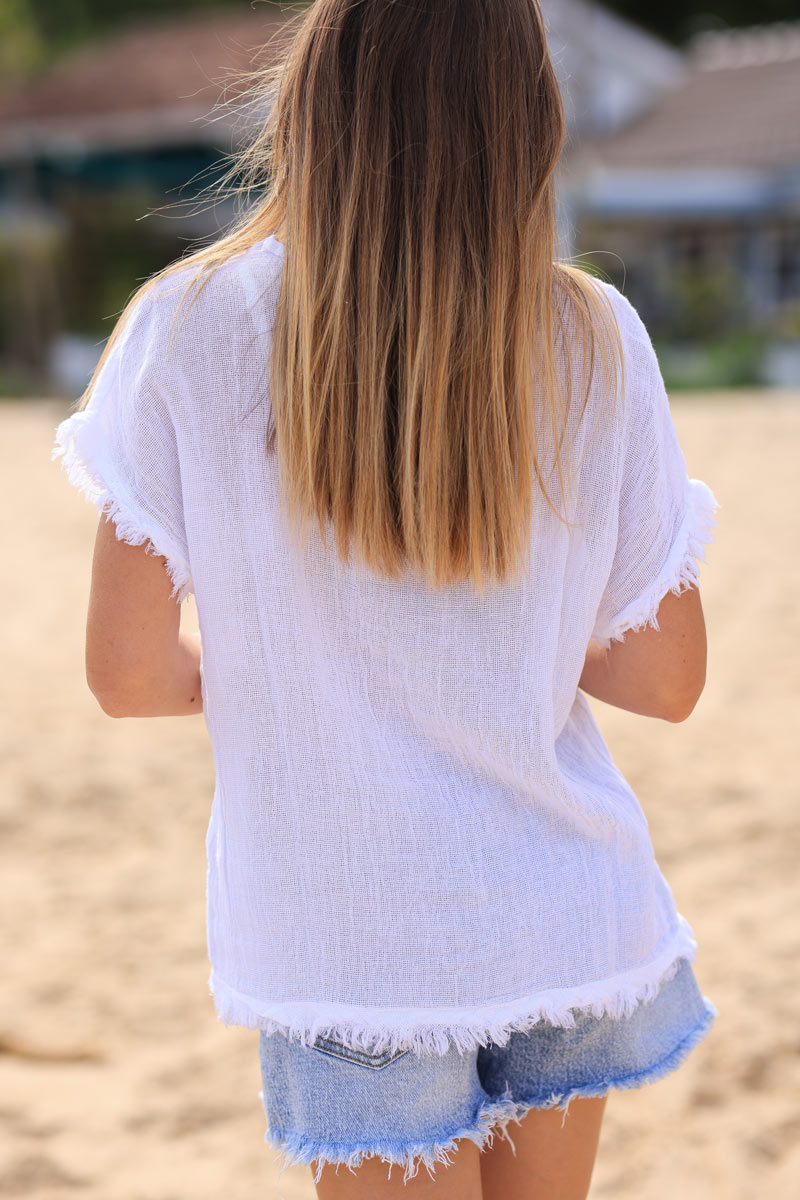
[418, 837]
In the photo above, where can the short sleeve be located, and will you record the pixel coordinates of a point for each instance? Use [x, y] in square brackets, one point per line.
[121, 451]
[665, 518]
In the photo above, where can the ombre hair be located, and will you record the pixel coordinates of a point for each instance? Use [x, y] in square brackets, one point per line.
[426, 340]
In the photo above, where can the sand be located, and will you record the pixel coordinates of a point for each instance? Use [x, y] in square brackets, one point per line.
[116, 1080]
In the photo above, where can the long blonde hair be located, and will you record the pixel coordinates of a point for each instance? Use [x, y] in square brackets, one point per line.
[407, 164]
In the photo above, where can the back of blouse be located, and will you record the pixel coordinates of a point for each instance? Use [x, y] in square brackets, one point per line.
[417, 835]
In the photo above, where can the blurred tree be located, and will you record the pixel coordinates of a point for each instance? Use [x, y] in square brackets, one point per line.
[678, 20]
[64, 22]
[21, 45]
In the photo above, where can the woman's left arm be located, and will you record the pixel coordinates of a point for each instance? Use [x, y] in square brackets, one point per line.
[139, 663]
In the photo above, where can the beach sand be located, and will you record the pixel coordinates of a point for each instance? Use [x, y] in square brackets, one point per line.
[116, 1080]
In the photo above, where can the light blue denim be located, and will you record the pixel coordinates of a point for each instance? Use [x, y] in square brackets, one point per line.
[328, 1103]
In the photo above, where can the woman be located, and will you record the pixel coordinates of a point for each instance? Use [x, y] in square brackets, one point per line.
[424, 483]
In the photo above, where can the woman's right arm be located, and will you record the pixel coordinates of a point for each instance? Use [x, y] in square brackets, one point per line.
[654, 672]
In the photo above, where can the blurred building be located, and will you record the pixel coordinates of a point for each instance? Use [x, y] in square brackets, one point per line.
[609, 70]
[681, 178]
[102, 158]
[141, 118]
[702, 190]
[147, 103]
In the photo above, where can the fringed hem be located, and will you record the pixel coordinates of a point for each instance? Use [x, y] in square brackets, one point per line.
[681, 571]
[434, 1031]
[665, 1066]
[131, 525]
[297, 1150]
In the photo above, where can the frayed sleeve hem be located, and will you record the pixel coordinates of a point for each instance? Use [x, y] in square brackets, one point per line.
[88, 471]
[681, 571]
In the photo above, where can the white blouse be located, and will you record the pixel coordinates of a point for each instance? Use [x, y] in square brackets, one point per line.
[418, 836]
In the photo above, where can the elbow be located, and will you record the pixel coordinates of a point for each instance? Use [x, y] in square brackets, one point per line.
[681, 702]
[678, 713]
[114, 699]
[121, 689]
[112, 704]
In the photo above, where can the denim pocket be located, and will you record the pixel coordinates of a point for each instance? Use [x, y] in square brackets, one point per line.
[361, 1058]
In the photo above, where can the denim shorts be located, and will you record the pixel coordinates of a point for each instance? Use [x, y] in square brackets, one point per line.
[328, 1103]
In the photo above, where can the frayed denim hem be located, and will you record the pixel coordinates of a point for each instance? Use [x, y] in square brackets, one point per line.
[298, 1150]
[665, 1066]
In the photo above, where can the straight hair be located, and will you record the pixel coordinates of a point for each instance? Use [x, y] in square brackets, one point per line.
[428, 348]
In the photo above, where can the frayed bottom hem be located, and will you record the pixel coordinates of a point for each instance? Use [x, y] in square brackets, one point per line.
[295, 1149]
[665, 1066]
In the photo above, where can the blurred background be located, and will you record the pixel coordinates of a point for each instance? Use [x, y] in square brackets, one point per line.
[681, 179]
[680, 183]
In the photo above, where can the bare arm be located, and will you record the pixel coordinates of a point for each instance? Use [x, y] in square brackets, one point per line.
[655, 673]
[139, 662]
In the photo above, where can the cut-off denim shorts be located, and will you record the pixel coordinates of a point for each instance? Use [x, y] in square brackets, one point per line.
[329, 1103]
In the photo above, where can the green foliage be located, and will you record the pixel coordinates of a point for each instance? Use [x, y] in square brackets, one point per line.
[30, 30]
[63, 21]
[787, 324]
[734, 360]
[706, 301]
[16, 384]
[678, 20]
[110, 252]
[21, 43]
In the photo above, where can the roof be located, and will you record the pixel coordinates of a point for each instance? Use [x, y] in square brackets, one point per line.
[737, 108]
[145, 83]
